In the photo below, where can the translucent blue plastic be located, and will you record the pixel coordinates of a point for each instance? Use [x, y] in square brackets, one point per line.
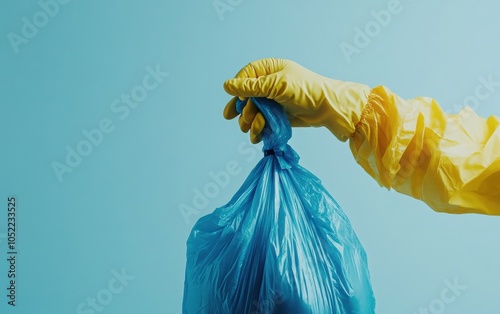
[281, 245]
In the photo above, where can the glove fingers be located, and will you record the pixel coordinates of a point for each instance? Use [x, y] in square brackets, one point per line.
[249, 112]
[251, 87]
[255, 138]
[230, 109]
[243, 125]
[255, 80]
[257, 125]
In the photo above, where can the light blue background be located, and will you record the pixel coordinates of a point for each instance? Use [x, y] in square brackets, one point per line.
[120, 207]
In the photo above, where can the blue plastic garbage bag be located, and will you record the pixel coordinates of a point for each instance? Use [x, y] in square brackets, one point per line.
[281, 245]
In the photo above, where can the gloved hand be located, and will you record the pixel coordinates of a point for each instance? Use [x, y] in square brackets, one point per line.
[309, 99]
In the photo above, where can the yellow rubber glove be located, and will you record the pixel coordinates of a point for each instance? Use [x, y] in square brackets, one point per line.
[308, 98]
[449, 161]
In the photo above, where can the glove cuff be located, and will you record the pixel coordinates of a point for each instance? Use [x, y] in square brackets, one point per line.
[345, 102]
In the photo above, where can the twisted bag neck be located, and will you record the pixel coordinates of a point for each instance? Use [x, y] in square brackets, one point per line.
[277, 131]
